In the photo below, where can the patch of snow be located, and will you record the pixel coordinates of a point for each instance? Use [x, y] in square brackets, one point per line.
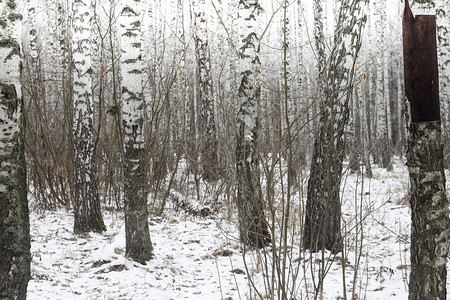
[201, 258]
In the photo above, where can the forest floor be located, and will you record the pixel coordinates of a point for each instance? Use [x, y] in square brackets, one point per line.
[201, 258]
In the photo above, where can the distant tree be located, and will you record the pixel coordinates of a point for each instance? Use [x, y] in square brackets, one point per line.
[383, 153]
[206, 124]
[48, 99]
[32, 37]
[88, 214]
[322, 228]
[15, 255]
[138, 244]
[253, 228]
[305, 123]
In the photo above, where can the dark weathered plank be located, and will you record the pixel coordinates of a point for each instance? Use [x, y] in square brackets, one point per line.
[421, 66]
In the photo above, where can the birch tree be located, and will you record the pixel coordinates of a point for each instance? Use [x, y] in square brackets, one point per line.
[443, 42]
[253, 228]
[430, 223]
[14, 216]
[138, 244]
[32, 38]
[286, 85]
[306, 121]
[207, 125]
[322, 228]
[383, 155]
[87, 203]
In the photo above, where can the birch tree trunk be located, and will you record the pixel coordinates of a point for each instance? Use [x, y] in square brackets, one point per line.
[305, 122]
[15, 255]
[253, 228]
[383, 153]
[32, 40]
[322, 228]
[207, 125]
[443, 29]
[430, 223]
[182, 72]
[371, 111]
[429, 212]
[138, 244]
[88, 214]
[366, 79]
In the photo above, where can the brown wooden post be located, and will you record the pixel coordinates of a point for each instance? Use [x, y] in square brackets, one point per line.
[429, 205]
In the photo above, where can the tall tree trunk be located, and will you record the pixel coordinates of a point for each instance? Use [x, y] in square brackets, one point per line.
[393, 103]
[443, 30]
[430, 228]
[207, 125]
[429, 212]
[383, 151]
[88, 214]
[354, 128]
[253, 228]
[138, 244]
[15, 255]
[322, 228]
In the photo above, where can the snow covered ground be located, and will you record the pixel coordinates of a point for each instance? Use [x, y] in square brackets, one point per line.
[200, 258]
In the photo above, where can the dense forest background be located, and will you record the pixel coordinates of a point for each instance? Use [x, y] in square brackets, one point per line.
[265, 123]
[171, 89]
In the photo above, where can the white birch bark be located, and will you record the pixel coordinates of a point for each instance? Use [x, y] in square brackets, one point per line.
[32, 72]
[232, 24]
[56, 65]
[182, 71]
[304, 102]
[430, 226]
[207, 126]
[364, 99]
[31, 28]
[382, 137]
[14, 221]
[290, 108]
[323, 208]
[443, 47]
[138, 243]
[372, 80]
[87, 203]
[253, 229]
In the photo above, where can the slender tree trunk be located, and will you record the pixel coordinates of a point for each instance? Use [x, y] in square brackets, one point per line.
[253, 228]
[88, 214]
[15, 255]
[382, 96]
[207, 125]
[183, 80]
[304, 125]
[138, 244]
[401, 113]
[33, 57]
[393, 103]
[354, 137]
[322, 229]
